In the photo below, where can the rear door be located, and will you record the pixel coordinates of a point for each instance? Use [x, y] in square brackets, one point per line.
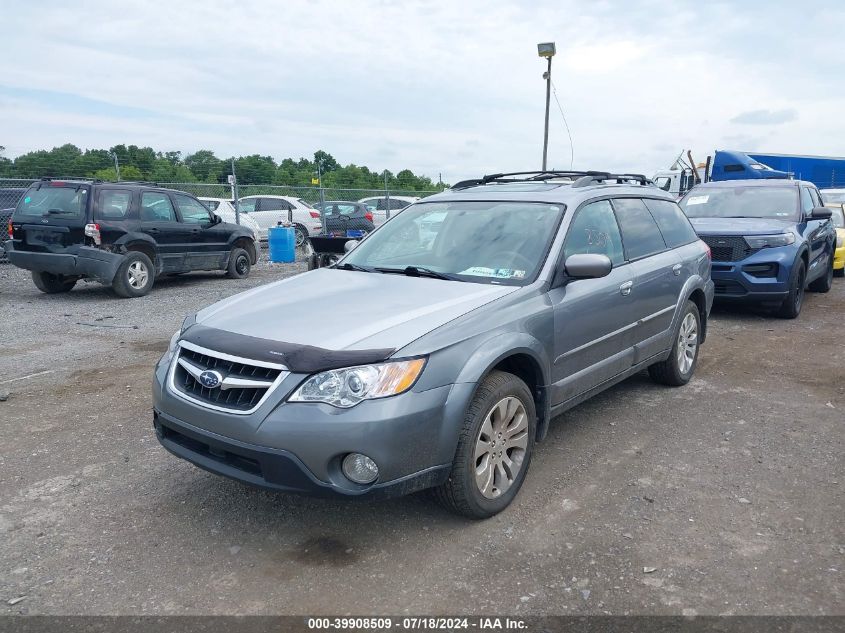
[207, 247]
[158, 220]
[593, 318]
[658, 275]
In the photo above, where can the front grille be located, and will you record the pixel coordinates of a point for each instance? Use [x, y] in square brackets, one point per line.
[728, 248]
[239, 399]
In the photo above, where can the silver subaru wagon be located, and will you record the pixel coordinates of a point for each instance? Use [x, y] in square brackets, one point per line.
[436, 352]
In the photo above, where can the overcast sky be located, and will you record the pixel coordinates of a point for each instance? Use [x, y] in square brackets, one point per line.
[437, 87]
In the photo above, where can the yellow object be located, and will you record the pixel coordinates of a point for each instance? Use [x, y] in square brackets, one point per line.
[838, 219]
[315, 181]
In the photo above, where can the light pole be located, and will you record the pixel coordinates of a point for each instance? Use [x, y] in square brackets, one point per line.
[547, 50]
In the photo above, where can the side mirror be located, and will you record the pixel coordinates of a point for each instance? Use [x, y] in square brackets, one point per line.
[349, 245]
[821, 213]
[587, 266]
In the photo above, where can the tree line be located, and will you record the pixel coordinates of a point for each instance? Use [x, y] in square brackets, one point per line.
[144, 163]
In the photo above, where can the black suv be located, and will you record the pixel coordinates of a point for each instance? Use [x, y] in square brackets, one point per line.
[121, 234]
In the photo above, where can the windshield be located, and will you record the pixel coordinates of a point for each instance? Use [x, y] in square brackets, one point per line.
[52, 200]
[780, 203]
[838, 218]
[837, 197]
[482, 242]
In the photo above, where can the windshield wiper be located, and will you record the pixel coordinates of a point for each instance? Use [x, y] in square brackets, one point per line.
[348, 266]
[58, 211]
[419, 271]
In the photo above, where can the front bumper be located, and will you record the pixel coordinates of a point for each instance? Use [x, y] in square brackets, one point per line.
[736, 281]
[299, 447]
[81, 261]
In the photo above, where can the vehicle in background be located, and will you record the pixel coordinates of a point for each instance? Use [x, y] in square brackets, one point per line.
[269, 211]
[822, 171]
[122, 234]
[341, 216]
[769, 240]
[380, 205]
[726, 165]
[9, 197]
[838, 220]
[833, 196]
[438, 363]
[226, 210]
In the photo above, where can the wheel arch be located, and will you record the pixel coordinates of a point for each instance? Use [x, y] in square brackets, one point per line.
[523, 356]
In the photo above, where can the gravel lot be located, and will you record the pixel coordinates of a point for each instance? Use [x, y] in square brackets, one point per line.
[723, 497]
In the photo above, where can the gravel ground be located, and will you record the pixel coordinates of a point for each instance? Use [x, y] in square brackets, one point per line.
[722, 497]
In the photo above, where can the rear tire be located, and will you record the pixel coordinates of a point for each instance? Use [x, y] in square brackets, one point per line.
[677, 370]
[135, 276]
[494, 448]
[300, 234]
[824, 284]
[791, 306]
[239, 264]
[53, 284]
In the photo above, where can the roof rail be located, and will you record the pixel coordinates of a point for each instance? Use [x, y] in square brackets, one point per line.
[602, 177]
[51, 178]
[583, 177]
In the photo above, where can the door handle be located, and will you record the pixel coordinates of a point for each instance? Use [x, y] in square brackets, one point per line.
[677, 269]
[625, 288]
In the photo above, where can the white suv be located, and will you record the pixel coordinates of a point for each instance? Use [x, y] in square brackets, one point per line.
[268, 211]
[226, 211]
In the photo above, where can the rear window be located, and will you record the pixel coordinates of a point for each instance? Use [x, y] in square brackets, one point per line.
[640, 233]
[211, 205]
[50, 200]
[672, 222]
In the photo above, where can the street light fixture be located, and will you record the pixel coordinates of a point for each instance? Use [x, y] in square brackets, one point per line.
[547, 50]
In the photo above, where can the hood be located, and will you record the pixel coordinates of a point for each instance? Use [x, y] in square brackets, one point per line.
[348, 310]
[739, 226]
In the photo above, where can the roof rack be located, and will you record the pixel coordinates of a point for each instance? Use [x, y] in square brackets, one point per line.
[581, 178]
[620, 179]
[72, 179]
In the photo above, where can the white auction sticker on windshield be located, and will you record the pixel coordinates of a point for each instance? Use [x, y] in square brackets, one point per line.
[501, 273]
[697, 200]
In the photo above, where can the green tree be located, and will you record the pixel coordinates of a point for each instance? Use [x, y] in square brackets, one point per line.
[204, 165]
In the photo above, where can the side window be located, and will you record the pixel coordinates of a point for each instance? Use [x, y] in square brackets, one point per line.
[639, 230]
[594, 230]
[664, 182]
[248, 205]
[673, 224]
[381, 205]
[273, 204]
[114, 204]
[397, 204]
[817, 199]
[806, 201]
[156, 207]
[192, 211]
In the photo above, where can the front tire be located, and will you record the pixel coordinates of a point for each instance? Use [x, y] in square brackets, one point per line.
[494, 448]
[239, 264]
[135, 276]
[53, 284]
[791, 306]
[824, 284]
[677, 370]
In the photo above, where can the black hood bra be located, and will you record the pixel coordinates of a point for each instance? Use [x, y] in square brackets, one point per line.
[305, 359]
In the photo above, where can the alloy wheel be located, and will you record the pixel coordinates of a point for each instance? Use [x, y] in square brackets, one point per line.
[501, 447]
[687, 343]
[138, 275]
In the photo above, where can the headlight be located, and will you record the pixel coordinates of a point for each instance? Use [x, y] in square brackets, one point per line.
[173, 340]
[763, 241]
[347, 387]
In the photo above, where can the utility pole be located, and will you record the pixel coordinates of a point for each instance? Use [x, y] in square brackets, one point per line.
[116, 166]
[386, 198]
[547, 50]
[322, 197]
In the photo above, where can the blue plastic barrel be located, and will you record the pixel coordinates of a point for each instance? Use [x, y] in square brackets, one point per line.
[282, 243]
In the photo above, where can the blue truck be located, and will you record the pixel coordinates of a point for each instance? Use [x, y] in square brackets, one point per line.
[822, 171]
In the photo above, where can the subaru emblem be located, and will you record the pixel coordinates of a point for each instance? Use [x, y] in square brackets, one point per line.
[210, 379]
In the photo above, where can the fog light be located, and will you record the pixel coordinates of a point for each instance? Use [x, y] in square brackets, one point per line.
[360, 468]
